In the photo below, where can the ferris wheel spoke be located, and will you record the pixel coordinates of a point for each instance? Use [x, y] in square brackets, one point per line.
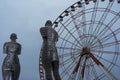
[69, 42]
[102, 67]
[68, 35]
[67, 69]
[93, 17]
[77, 65]
[107, 45]
[75, 23]
[68, 48]
[93, 20]
[74, 72]
[71, 34]
[75, 53]
[63, 63]
[84, 20]
[109, 25]
[83, 69]
[106, 52]
[83, 41]
[107, 37]
[93, 37]
[108, 61]
[97, 29]
[69, 60]
[90, 70]
[94, 43]
[110, 35]
[111, 63]
[103, 18]
[93, 71]
[76, 26]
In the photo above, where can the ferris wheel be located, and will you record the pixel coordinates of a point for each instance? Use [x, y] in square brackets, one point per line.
[89, 41]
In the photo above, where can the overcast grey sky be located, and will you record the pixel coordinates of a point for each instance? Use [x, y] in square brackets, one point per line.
[25, 17]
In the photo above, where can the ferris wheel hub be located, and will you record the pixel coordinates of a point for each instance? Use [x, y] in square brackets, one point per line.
[88, 40]
[85, 50]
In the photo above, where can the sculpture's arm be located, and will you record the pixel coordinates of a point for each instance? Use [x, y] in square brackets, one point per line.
[19, 49]
[56, 36]
[43, 33]
[5, 48]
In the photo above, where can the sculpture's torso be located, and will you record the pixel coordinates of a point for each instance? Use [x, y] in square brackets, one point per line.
[11, 61]
[50, 38]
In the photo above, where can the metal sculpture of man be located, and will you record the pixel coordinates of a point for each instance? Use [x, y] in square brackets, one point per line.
[50, 59]
[11, 65]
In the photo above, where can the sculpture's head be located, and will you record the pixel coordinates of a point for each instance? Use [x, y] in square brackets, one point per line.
[48, 23]
[13, 36]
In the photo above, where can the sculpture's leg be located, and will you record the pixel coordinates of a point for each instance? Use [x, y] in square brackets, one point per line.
[15, 73]
[47, 67]
[48, 74]
[55, 65]
[6, 74]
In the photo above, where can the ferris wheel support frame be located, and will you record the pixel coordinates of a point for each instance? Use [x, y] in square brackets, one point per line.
[86, 52]
[97, 62]
[102, 67]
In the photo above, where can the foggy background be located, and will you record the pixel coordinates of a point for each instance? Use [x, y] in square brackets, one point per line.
[25, 17]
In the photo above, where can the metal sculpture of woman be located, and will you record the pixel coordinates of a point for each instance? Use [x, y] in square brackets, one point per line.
[11, 65]
[50, 59]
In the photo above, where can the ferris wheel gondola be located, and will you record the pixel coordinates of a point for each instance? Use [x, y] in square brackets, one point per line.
[89, 41]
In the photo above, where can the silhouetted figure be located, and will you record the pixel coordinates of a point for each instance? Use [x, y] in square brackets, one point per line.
[49, 54]
[11, 65]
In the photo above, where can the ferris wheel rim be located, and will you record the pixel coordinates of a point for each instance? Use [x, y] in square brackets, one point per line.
[99, 9]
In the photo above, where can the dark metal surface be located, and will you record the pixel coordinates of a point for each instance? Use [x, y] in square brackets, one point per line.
[11, 64]
[50, 61]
